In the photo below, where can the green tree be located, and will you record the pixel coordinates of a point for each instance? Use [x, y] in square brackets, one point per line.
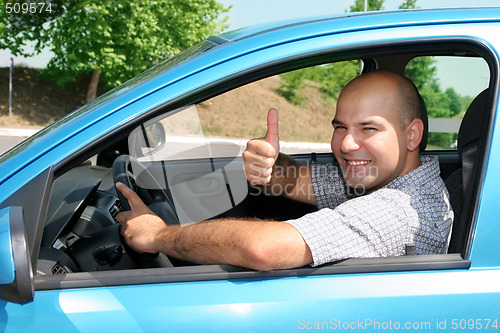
[292, 82]
[421, 71]
[409, 4]
[359, 5]
[332, 78]
[335, 76]
[439, 104]
[18, 25]
[454, 102]
[115, 39]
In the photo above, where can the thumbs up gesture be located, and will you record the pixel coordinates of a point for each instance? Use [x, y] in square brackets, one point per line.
[261, 154]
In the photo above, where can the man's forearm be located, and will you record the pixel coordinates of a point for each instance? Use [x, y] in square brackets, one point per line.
[247, 243]
[201, 243]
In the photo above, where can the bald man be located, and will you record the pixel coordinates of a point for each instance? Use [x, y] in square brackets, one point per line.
[377, 197]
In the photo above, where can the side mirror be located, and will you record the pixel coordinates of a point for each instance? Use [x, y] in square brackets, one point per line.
[16, 271]
[146, 140]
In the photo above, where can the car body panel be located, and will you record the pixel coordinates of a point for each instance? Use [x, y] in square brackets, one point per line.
[7, 270]
[364, 301]
[405, 297]
[486, 229]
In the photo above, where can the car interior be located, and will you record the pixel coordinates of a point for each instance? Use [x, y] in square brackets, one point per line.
[188, 173]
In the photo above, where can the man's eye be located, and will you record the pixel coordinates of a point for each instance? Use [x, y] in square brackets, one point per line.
[370, 129]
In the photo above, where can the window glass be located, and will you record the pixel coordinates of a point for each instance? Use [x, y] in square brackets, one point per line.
[448, 86]
[202, 174]
[305, 100]
[194, 153]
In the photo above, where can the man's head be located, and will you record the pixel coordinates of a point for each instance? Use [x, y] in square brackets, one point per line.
[377, 129]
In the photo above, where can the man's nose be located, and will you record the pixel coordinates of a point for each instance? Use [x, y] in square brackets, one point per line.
[349, 144]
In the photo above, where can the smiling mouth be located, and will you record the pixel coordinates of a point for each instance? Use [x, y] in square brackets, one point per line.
[357, 163]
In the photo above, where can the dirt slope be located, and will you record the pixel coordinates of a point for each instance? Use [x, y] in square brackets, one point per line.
[239, 113]
[35, 102]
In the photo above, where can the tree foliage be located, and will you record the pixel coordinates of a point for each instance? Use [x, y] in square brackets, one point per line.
[409, 4]
[20, 27]
[447, 104]
[337, 75]
[292, 82]
[422, 71]
[359, 5]
[331, 77]
[117, 38]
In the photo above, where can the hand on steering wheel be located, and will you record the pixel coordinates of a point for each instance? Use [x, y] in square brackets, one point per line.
[126, 169]
[154, 197]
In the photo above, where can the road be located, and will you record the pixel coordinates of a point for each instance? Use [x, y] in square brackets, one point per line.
[11, 136]
[7, 142]
[180, 146]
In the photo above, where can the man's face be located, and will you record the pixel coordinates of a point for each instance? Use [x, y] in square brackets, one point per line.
[369, 141]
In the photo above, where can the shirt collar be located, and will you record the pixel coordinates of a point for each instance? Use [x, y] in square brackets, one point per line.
[428, 171]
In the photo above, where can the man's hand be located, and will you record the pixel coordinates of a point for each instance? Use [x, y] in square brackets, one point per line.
[261, 154]
[140, 226]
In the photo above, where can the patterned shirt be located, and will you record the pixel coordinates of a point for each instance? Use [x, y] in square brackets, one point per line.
[412, 209]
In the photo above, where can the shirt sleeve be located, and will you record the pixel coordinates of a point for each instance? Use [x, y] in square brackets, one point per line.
[375, 225]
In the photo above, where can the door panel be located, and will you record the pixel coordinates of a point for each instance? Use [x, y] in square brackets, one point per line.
[372, 302]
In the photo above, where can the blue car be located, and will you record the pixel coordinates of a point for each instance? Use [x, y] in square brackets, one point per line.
[176, 133]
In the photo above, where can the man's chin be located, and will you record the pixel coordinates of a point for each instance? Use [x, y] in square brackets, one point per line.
[359, 187]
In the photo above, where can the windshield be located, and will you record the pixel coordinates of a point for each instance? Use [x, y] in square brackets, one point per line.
[153, 72]
[181, 57]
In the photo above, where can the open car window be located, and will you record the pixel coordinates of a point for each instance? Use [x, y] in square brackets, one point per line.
[305, 99]
[201, 174]
[448, 85]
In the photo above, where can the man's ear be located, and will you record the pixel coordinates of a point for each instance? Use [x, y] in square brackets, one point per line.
[414, 131]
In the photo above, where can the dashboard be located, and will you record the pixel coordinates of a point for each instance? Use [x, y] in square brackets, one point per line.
[80, 232]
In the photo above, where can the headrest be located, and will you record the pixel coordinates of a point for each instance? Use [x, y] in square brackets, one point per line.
[470, 128]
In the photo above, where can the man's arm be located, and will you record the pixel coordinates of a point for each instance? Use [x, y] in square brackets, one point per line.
[260, 245]
[277, 173]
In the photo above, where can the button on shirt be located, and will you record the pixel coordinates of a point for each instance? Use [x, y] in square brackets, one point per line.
[412, 209]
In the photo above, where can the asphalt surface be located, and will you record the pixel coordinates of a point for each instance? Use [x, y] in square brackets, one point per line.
[9, 137]
[7, 142]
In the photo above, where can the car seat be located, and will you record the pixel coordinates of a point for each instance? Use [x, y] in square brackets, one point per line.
[459, 183]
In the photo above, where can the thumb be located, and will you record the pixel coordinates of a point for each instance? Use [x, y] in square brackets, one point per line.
[133, 199]
[272, 128]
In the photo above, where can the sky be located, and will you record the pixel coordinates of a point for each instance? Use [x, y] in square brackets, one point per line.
[250, 12]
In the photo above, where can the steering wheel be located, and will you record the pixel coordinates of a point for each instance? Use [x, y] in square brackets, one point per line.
[126, 169]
